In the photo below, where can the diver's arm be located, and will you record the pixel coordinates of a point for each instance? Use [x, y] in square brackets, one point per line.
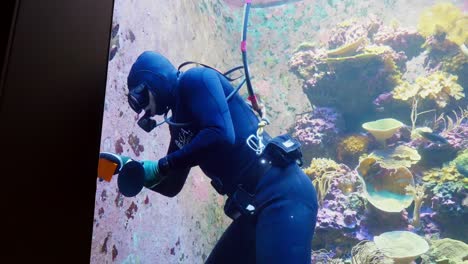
[203, 93]
[174, 179]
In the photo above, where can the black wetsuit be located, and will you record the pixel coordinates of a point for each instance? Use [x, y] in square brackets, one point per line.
[281, 231]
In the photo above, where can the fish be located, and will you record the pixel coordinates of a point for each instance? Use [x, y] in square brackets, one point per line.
[434, 137]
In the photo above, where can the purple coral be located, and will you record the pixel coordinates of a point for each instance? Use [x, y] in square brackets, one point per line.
[308, 64]
[449, 212]
[400, 39]
[316, 130]
[458, 138]
[339, 219]
[351, 31]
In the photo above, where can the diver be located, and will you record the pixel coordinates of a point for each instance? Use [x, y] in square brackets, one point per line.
[272, 203]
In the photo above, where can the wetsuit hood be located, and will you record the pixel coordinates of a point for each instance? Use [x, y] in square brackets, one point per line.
[159, 75]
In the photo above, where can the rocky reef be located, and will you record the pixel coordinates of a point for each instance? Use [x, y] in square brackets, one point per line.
[318, 132]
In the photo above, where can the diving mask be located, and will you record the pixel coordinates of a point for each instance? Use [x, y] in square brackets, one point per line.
[138, 99]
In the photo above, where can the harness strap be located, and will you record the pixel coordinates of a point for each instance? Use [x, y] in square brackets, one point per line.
[209, 67]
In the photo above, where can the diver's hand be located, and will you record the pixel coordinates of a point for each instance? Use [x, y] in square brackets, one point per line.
[152, 174]
[133, 174]
[138, 174]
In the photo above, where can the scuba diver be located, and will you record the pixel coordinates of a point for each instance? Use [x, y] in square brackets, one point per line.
[271, 201]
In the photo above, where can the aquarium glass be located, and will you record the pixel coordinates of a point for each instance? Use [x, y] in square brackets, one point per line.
[375, 92]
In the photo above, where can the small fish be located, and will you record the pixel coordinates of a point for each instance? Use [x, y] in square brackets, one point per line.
[433, 137]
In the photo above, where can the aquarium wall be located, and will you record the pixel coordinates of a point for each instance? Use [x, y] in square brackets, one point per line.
[375, 91]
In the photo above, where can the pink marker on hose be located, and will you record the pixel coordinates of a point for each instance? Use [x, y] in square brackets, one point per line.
[244, 45]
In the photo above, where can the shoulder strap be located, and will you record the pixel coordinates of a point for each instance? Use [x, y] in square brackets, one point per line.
[209, 67]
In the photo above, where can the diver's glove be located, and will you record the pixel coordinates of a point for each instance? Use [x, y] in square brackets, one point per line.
[152, 173]
[133, 175]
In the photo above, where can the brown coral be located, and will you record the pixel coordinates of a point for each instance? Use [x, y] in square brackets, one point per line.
[351, 147]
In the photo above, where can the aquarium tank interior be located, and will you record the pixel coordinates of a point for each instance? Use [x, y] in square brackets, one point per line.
[375, 92]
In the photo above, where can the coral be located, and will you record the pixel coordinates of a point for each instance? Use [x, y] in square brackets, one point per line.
[375, 222]
[305, 46]
[323, 256]
[444, 19]
[382, 129]
[454, 64]
[446, 200]
[339, 216]
[323, 171]
[405, 91]
[418, 196]
[454, 128]
[367, 252]
[457, 138]
[339, 224]
[318, 129]
[446, 56]
[319, 166]
[351, 147]
[382, 99]
[308, 63]
[446, 250]
[393, 158]
[400, 39]
[327, 81]
[452, 124]
[444, 174]
[374, 55]
[347, 49]
[461, 163]
[438, 86]
[401, 246]
[351, 30]
[385, 188]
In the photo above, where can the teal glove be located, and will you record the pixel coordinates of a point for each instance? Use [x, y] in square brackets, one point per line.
[152, 175]
[134, 175]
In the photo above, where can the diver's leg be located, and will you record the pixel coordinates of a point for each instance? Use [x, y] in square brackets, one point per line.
[284, 233]
[236, 245]
[287, 218]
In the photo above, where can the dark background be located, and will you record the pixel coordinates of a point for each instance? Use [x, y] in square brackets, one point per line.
[51, 108]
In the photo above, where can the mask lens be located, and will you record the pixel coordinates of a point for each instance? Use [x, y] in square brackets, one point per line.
[138, 99]
[134, 104]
